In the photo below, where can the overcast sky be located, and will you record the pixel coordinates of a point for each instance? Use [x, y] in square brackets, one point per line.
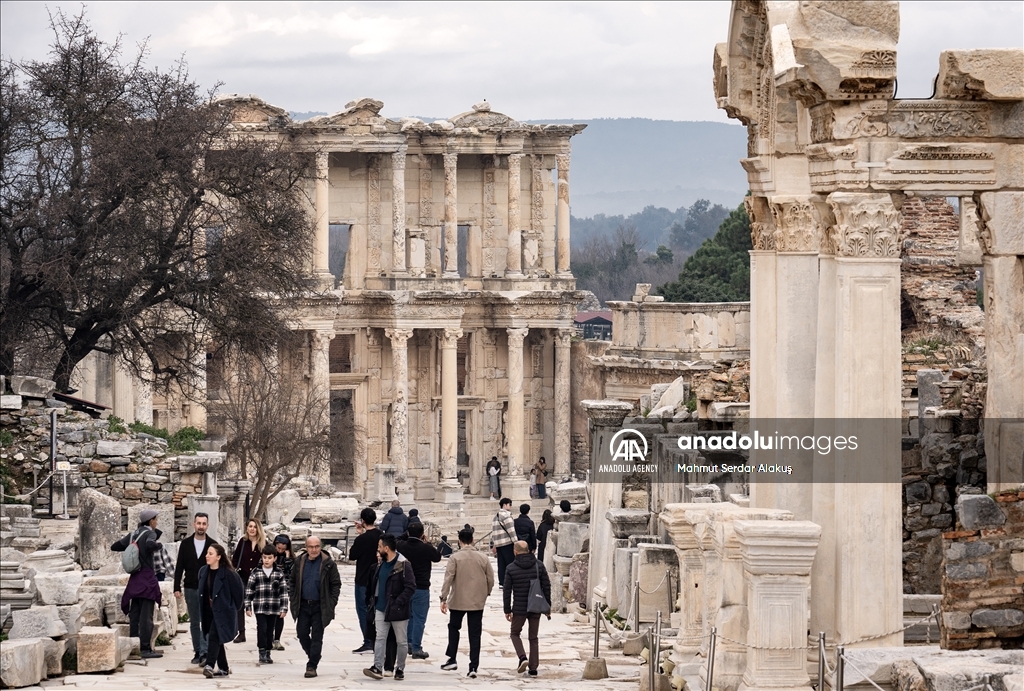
[530, 60]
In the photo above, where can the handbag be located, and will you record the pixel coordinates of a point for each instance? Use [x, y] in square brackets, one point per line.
[536, 603]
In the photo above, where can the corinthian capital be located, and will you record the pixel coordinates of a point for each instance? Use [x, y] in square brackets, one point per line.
[761, 231]
[867, 225]
[563, 162]
[398, 158]
[516, 337]
[450, 161]
[398, 337]
[798, 223]
[450, 338]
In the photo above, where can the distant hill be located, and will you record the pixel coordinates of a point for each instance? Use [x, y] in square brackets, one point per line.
[621, 166]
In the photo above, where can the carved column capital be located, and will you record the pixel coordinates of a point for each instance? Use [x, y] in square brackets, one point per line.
[562, 160]
[761, 231]
[798, 223]
[450, 338]
[450, 160]
[322, 161]
[398, 158]
[515, 159]
[320, 339]
[867, 225]
[516, 336]
[563, 338]
[398, 337]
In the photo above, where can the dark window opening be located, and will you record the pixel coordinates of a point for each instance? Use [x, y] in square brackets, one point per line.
[342, 441]
[337, 249]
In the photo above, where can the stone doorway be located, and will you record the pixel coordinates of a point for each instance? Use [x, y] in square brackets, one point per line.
[462, 453]
[342, 449]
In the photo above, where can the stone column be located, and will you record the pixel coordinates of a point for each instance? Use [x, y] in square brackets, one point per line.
[124, 406]
[320, 381]
[398, 213]
[515, 482]
[514, 258]
[868, 515]
[450, 416]
[1003, 218]
[681, 522]
[562, 218]
[144, 399]
[451, 217]
[777, 557]
[399, 402]
[563, 345]
[322, 201]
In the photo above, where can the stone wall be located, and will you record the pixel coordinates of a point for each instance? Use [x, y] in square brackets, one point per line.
[586, 382]
[983, 573]
[693, 331]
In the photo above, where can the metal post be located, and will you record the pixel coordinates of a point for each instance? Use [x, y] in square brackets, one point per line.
[840, 663]
[597, 631]
[657, 645]
[53, 453]
[651, 661]
[821, 661]
[636, 606]
[65, 515]
[711, 659]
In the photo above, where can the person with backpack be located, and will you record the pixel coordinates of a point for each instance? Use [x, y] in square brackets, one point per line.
[503, 534]
[221, 596]
[267, 597]
[142, 593]
[527, 595]
[421, 554]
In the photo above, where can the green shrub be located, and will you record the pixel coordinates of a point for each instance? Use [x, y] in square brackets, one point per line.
[6, 438]
[185, 440]
[163, 639]
[115, 425]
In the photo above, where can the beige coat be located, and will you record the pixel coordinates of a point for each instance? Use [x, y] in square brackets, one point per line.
[468, 580]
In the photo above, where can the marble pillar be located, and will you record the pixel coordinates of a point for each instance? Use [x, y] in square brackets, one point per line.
[398, 264]
[514, 481]
[563, 345]
[322, 212]
[450, 416]
[374, 242]
[320, 383]
[868, 515]
[514, 257]
[1002, 215]
[777, 557]
[763, 341]
[144, 399]
[451, 217]
[532, 239]
[399, 402]
[562, 217]
[123, 403]
[684, 525]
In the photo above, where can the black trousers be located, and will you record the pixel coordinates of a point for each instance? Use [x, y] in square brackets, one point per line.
[475, 620]
[310, 628]
[241, 620]
[506, 555]
[265, 630]
[216, 656]
[140, 622]
[278, 628]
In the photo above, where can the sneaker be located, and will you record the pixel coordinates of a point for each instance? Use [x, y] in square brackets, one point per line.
[222, 673]
[277, 645]
[389, 672]
[197, 660]
[364, 648]
[202, 660]
[208, 672]
[268, 660]
[240, 638]
[523, 664]
[532, 672]
[310, 672]
[149, 654]
[373, 673]
[419, 655]
[399, 674]
[450, 665]
[472, 674]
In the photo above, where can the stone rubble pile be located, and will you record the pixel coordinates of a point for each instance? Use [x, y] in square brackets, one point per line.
[17, 592]
[36, 646]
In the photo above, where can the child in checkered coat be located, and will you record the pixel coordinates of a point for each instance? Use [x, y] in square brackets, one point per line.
[267, 597]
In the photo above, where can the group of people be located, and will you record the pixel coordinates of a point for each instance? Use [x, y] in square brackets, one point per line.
[538, 478]
[266, 580]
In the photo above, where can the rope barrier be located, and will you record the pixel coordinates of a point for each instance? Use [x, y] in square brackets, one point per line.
[857, 669]
[657, 587]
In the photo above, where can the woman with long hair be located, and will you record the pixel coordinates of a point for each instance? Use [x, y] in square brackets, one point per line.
[285, 559]
[221, 597]
[547, 522]
[247, 556]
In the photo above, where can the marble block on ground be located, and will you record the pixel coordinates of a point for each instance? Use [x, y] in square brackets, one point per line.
[571, 538]
[53, 652]
[39, 621]
[59, 588]
[23, 662]
[101, 649]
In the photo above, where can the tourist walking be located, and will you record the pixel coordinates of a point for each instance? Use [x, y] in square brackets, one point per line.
[414, 517]
[468, 580]
[364, 553]
[494, 477]
[503, 531]
[421, 555]
[247, 556]
[540, 478]
[142, 593]
[444, 547]
[395, 522]
[518, 606]
[547, 522]
[392, 586]
[313, 592]
[284, 560]
[525, 529]
[267, 597]
[192, 556]
[221, 595]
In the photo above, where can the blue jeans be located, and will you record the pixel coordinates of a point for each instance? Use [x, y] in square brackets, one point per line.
[195, 612]
[418, 619]
[361, 612]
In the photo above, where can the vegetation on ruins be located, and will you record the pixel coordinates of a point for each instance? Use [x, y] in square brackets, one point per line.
[719, 271]
[134, 220]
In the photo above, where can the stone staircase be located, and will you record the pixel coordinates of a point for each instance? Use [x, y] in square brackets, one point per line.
[478, 512]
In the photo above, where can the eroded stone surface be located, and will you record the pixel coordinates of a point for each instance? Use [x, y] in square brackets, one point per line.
[23, 662]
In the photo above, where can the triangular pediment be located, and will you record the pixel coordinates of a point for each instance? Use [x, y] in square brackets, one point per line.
[365, 111]
[250, 109]
[482, 117]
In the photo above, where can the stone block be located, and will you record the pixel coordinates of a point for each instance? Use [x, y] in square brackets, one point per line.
[634, 499]
[38, 621]
[626, 522]
[966, 572]
[578, 577]
[1004, 218]
[622, 579]
[658, 573]
[571, 538]
[53, 653]
[97, 649]
[979, 511]
[202, 462]
[557, 592]
[284, 507]
[918, 492]
[59, 588]
[951, 670]
[10, 402]
[71, 617]
[164, 519]
[107, 447]
[997, 618]
[960, 621]
[22, 662]
[99, 526]
[36, 387]
[675, 395]
[988, 74]
[967, 550]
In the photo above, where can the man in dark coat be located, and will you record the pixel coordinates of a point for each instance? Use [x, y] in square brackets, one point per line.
[191, 557]
[395, 521]
[364, 553]
[314, 588]
[518, 575]
[421, 555]
[142, 593]
[525, 529]
[389, 597]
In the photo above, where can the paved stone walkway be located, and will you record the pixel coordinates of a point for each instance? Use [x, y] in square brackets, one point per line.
[565, 645]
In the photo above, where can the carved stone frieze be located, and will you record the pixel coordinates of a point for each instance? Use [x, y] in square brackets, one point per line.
[867, 225]
[939, 119]
[823, 120]
[761, 230]
[373, 215]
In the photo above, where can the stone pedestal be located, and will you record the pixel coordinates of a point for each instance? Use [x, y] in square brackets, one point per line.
[232, 494]
[452, 494]
[99, 525]
[384, 482]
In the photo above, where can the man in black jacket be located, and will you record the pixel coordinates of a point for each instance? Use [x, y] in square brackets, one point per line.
[525, 529]
[389, 597]
[314, 588]
[364, 553]
[518, 575]
[421, 554]
[191, 557]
